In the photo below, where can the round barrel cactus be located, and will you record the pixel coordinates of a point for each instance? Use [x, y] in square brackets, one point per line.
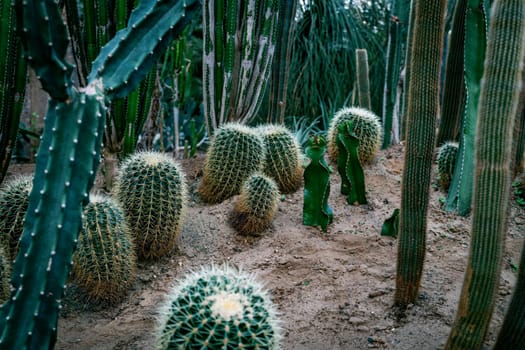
[152, 191]
[283, 157]
[5, 274]
[446, 161]
[365, 125]
[219, 308]
[104, 260]
[235, 153]
[256, 205]
[14, 199]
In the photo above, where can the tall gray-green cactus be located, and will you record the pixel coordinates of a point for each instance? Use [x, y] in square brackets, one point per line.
[69, 152]
[362, 79]
[239, 44]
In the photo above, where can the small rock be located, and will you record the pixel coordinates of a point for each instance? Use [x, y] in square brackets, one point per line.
[362, 329]
[356, 320]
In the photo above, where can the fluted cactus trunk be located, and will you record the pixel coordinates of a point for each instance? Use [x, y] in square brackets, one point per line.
[404, 98]
[422, 108]
[500, 90]
[363, 81]
[239, 45]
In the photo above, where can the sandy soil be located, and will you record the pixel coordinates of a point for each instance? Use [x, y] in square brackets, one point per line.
[333, 290]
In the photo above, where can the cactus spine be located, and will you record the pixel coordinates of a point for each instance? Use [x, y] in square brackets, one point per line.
[235, 153]
[446, 161]
[283, 157]
[363, 82]
[422, 108]
[152, 190]
[256, 205]
[104, 261]
[499, 97]
[219, 308]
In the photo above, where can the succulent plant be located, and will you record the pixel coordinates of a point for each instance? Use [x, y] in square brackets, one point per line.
[446, 161]
[219, 308]
[14, 199]
[235, 153]
[366, 127]
[283, 157]
[152, 191]
[5, 274]
[256, 205]
[104, 261]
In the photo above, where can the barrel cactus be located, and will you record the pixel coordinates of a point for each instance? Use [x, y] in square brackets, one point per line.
[104, 261]
[256, 205]
[5, 274]
[446, 161]
[283, 157]
[14, 199]
[366, 127]
[219, 308]
[235, 153]
[152, 191]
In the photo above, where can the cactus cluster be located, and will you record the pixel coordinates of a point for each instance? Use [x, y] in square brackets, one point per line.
[5, 274]
[152, 191]
[446, 161]
[104, 261]
[219, 308]
[256, 205]
[366, 127]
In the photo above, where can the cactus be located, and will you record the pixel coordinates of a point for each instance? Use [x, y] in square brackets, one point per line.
[235, 153]
[5, 274]
[363, 82]
[152, 191]
[499, 97]
[104, 261]
[316, 211]
[367, 128]
[219, 308]
[446, 161]
[423, 106]
[14, 200]
[256, 205]
[283, 157]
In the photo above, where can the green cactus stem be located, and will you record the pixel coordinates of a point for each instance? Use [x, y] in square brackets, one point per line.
[422, 108]
[363, 82]
[219, 308]
[104, 260]
[499, 99]
[391, 225]
[152, 191]
[446, 162]
[283, 157]
[256, 205]
[316, 211]
[5, 274]
[349, 166]
[235, 153]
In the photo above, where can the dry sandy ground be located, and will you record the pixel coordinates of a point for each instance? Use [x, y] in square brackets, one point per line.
[334, 291]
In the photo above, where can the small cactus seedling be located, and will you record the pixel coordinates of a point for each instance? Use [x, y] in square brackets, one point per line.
[366, 127]
[283, 157]
[104, 261]
[5, 274]
[219, 308]
[14, 199]
[446, 161]
[256, 206]
[152, 191]
[236, 152]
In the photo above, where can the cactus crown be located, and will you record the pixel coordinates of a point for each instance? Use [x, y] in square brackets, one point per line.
[446, 161]
[219, 307]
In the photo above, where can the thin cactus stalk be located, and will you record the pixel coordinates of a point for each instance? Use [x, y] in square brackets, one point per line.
[519, 133]
[406, 83]
[423, 106]
[499, 97]
[363, 81]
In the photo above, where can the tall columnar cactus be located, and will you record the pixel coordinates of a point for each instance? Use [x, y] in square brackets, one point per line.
[499, 97]
[235, 153]
[239, 45]
[14, 199]
[69, 152]
[366, 127]
[5, 274]
[422, 108]
[283, 157]
[362, 78]
[219, 308]
[256, 205]
[446, 161]
[104, 261]
[152, 190]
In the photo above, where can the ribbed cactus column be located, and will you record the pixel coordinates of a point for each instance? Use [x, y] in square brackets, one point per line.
[422, 108]
[363, 82]
[500, 90]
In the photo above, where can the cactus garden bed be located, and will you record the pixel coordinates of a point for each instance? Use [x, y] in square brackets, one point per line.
[333, 290]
